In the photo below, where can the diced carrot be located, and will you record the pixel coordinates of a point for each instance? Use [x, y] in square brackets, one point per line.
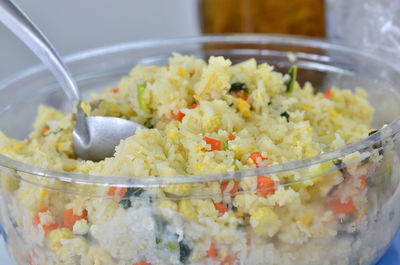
[221, 208]
[46, 228]
[341, 208]
[257, 158]
[241, 94]
[179, 116]
[328, 94]
[142, 263]
[363, 179]
[212, 252]
[233, 190]
[248, 240]
[116, 191]
[231, 136]
[194, 106]
[29, 142]
[115, 90]
[229, 260]
[191, 74]
[45, 129]
[69, 218]
[215, 144]
[264, 185]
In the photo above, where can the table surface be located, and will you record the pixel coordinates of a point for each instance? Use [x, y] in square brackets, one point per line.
[392, 256]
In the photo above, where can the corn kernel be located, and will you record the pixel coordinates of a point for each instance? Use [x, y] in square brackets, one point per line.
[305, 220]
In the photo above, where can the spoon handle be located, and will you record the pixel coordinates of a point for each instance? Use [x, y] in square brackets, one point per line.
[16, 21]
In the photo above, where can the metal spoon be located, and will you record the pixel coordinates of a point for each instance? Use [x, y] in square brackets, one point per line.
[94, 137]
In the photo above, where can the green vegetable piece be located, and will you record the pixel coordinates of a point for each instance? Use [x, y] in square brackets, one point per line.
[173, 245]
[293, 75]
[133, 192]
[143, 96]
[158, 240]
[53, 132]
[372, 132]
[148, 124]
[239, 86]
[125, 201]
[286, 115]
[224, 145]
[184, 252]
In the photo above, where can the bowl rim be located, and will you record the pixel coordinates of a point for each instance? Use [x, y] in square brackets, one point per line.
[79, 178]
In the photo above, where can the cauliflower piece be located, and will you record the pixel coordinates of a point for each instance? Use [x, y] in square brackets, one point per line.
[179, 189]
[212, 123]
[186, 208]
[166, 204]
[56, 236]
[80, 227]
[265, 221]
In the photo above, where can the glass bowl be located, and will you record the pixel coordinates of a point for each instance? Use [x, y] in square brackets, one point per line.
[340, 207]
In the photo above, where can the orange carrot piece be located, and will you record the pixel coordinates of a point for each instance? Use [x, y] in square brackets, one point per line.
[142, 263]
[119, 190]
[329, 94]
[233, 190]
[194, 106]
[342, 208]
[212, 252]
[29, 142]
[191, 74]
[178, 116]
[264, 185]
[69, 218]
[115, 90]
[229, 260]
[46, 228]
[231, 136]
[45, 129]
[241, 94]
[254, 156]
[221, 208]
[215, 144]
[363, 179]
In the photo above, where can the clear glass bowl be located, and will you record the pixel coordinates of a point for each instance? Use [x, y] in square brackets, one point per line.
[344, 204]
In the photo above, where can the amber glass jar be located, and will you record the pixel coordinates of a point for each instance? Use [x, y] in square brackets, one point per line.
[298, 17]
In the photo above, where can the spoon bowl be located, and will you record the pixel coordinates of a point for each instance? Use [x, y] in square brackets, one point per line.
[94, 138]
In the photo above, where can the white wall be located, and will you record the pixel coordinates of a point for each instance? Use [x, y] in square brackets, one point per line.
[76, 25]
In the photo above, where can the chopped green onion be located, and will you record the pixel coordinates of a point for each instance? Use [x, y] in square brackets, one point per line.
[184, 251]
[148, 123]
[372, 132]
[172, 245]
[53, 132]
[143, 97]
[286, 115]
[158, 240]
[126, 202]
[239, 86]
[224, 145]
[293, 75]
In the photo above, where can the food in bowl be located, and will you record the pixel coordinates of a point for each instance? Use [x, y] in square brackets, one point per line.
[207, 118]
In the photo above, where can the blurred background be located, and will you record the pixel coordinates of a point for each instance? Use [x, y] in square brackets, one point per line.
[75, 25]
